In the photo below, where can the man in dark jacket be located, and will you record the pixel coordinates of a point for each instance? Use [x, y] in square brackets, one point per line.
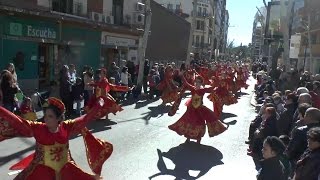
[308, 167]
[298, 142]
[285, 121]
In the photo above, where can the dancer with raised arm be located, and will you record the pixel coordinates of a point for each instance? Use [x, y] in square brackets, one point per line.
[193, 123]
[52, 158]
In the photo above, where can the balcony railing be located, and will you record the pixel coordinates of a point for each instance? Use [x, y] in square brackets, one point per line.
[67, 7]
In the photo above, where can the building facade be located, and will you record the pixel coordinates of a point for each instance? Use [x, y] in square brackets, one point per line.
[39, 36]
[308, 27]
[210, 21]
[168, 41]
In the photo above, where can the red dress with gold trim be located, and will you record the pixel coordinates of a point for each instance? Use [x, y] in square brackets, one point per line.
[102, 89]
[221, 96]
[168, 88]
[241, 80]
[52, 158]
[194, 121]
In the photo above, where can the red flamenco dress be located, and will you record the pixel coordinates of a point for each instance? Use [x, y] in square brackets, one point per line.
[222, 96]
[168, 88]
[52, 158]
[193, 123]
[102, 89]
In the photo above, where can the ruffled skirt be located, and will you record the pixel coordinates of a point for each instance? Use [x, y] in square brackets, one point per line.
[194, 121]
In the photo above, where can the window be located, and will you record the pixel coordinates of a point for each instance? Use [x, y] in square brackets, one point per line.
[314, 39]
[198, 25]
[197, 40]
[193, 40]
[204, 11]
[199, 11]
[202, 40]
[178, 7]
[202, 25]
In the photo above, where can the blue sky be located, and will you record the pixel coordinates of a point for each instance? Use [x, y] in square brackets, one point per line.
[241, 14]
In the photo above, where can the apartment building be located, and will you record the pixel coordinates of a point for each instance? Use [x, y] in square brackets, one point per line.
[39, 36]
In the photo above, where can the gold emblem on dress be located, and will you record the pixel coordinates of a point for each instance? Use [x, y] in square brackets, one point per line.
[55, 156]
[196, 101]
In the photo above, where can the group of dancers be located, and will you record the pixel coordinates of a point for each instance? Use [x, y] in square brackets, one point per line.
[52, 158]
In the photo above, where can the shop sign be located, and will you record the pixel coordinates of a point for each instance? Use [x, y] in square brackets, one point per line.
[117, 41]
[18, 29]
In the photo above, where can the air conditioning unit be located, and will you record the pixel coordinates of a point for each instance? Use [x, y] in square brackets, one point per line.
[140, 7]
[139, 18]
[108, 19]
[96, 16]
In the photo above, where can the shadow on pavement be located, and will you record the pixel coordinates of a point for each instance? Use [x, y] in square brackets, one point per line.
[188, 156]
[17, 155]
[227, 115]
[100, 125]
[155, 112]
[142, 103]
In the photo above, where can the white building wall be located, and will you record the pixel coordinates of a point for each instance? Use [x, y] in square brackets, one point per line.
[44, 3]
[107, 7]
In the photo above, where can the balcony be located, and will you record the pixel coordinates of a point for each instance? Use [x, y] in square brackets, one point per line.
[68, 7]
[201, 45]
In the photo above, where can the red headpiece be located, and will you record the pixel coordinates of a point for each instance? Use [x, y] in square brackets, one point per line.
[57, 103]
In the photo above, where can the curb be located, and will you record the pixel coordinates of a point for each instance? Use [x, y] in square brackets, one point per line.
[253, 101]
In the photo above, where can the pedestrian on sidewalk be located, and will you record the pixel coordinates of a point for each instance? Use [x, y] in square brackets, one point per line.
[88, 90]
[8, 88]
[77, 94]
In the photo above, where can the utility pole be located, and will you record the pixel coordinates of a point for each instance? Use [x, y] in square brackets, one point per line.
[193, 24]
[213, 28]
[143, 40]
[310, 43]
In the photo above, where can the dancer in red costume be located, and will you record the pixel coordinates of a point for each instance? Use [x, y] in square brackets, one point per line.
[102, 89]
[194, 121]
[221, 95]
[52, 158]
[168, 88]
[241, 79]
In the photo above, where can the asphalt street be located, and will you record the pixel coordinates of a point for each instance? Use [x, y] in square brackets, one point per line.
[145, 148]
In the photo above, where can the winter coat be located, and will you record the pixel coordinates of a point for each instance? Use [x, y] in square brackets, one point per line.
[298, 143]
[285, 122]
[308, 167]
[272, 169]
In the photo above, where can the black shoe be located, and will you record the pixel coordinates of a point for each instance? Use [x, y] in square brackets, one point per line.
[248, 142]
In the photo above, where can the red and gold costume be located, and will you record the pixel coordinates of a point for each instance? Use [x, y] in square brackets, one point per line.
[27, 111]
[222, 96]
[168, 88]
[194, 121]
[102, 89]
[189, 77]
[52, 158]
[241, 79]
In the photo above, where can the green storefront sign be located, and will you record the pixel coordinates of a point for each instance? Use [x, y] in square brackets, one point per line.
[30, 30]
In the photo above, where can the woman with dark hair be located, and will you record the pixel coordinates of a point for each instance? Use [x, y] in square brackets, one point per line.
[52, 158]
[271, 166]
[102, 88]
[8, 90]
[194, 121]
[65, 89]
